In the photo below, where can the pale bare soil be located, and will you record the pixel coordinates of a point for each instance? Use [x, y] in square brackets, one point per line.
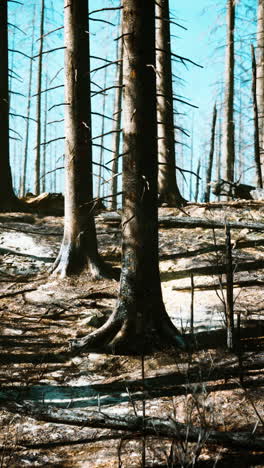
[209, 387]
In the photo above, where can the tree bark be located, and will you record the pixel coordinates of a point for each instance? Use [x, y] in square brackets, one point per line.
[256, 122]
[79, 245]
[7, 195]
[167, 184]
[228, 123]
[260, 79]
[139, 321]
[210, 159]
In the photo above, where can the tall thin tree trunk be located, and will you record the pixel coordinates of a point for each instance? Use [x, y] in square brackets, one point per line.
[197, 180]
[25, 155]
[79, 245]
[117, 123]
[228, 120]
[7, 195]
[101, 157]
[44, 153]
[260, 79]
[38, 98]
[210, 159]
[167, 184]
[256, 123]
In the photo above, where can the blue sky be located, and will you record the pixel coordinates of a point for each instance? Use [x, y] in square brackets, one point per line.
[198, 43]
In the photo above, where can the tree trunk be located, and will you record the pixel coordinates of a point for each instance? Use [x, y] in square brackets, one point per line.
[210, 159]
[140, 321]
[256, 124]
[197, 183]
[117, 124]
[25, 156]
[167, 184]
[7, 195]
[79, 246]
[260, 79]
[38, 97]
[44, 153]
[101, 157]
[228, 123]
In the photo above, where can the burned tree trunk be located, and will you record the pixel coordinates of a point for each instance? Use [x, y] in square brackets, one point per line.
[8, 199]
[210, 160]
[260, 78]
[167, 184]
[228, 123]
[79, 245]
[139, 321]
[256, 123]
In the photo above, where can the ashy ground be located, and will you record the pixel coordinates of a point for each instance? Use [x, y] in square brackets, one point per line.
[209, 388]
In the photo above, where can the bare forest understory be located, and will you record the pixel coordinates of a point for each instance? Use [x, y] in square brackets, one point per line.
[200, 408]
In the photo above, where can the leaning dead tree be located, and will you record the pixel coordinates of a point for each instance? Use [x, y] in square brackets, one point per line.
[79, 245]
[167, 184]
[228, 140]
[210, 159]
[139, 321]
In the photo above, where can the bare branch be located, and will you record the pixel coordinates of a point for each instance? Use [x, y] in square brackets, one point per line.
[106, 89]
[49, 51]
[102, 21]
[108, 133]
[48, 89]
[56, 74]
[104, 66]
[16, 27]
[103, 115]
[55, 121]
[50, 32]
[22, 116]
[103, 147]
[21, 53]
[171, 22]
[58, 105]
[105, 9]
[51, 141]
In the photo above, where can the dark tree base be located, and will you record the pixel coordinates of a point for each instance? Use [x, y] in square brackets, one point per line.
[13, 205]
[172, 200]
[72, 260]
[118, 336]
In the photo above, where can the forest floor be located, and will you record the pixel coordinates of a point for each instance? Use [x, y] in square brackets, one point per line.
[209, 388]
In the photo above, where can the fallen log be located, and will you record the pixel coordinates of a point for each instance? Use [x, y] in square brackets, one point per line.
[189, 222]
[211, 270]
[213, 286]
[152, 426]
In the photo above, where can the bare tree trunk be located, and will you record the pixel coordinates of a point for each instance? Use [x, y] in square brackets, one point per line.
[167, 184]
[256, 123]
[38, 98]
[101, 157]
[197, 180]
[117, 124]
[7, 195]
[140, 320]
[25, 156]
[210, 159]
[229, 306]
[228, 122]
[79, 245]
[44, 153]
[260, 79]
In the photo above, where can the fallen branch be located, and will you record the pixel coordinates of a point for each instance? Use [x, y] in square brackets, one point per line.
[160, 427]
